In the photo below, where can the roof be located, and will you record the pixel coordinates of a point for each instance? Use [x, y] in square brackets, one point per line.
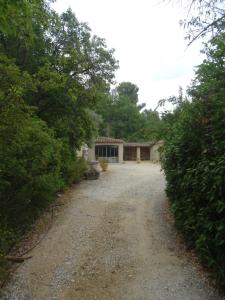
[137, 144]
[108, 140]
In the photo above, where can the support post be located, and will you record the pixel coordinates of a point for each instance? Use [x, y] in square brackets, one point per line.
[120, 153]
[138, 154]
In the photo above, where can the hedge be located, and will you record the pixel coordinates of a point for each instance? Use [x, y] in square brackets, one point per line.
[33, 167]
[194, 164]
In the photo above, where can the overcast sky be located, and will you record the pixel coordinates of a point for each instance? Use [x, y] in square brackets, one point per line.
[148, 40]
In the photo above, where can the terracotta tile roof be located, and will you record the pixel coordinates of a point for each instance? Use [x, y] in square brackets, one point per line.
[137, 144]
[107, 140]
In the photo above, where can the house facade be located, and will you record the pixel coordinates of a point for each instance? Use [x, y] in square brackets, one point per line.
[118, 151]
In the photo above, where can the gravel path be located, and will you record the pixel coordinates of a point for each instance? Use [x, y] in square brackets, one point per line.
[111, 241]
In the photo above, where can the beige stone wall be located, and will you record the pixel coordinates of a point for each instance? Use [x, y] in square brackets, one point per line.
[154, 152]
[120, 153]
[91, 153]
[83, 152]
[79, 153]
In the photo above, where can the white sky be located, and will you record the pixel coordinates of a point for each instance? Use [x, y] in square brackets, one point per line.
[148, 40]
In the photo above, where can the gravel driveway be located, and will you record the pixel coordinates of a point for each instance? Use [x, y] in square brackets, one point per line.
[111, 241]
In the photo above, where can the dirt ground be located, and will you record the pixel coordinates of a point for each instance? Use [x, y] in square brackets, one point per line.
[111, 240]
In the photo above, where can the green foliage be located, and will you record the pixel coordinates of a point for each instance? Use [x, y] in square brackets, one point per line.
[153, 126]
[72, 169]
[124, 118]
[129, 90]
[29, 165]
[52, 74]
[203, 19]
[194, 161]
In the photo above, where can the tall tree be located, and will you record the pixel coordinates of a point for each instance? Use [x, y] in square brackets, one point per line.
[53, 72]
[129, 90]
[123, 117]
[153, 125]
[126, 119]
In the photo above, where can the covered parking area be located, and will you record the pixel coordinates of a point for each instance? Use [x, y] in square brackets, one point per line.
[136, 151]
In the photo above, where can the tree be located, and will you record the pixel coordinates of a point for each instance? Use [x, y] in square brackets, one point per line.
[126, 119]
[153, 126]
[53, 72]
[129, 90]
[204, 18]
[77, 67]
[123, 117]
[23, 31]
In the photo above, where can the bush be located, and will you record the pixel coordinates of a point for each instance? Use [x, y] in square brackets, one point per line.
[194, 164]
[29, 169]
[73, 169]
[34, 165]
[194, 161]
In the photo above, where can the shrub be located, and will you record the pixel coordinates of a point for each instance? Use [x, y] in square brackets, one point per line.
[73, 169]
[34, 165]
[29, 169]
[194, 161]
[194, 164]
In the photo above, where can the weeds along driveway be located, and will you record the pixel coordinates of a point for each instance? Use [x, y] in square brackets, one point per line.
[111, 240]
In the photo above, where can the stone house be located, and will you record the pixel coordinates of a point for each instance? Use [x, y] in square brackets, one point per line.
[118, 151]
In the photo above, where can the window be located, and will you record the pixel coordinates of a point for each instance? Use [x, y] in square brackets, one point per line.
[109, 152]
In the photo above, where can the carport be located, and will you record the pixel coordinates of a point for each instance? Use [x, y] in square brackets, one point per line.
[129, 153]
[136, 151]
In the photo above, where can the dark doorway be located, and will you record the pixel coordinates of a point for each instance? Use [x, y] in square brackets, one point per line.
[130, 153]
[145, 153]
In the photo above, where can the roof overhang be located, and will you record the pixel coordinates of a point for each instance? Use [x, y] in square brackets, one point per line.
[107, 140]
[137, 144]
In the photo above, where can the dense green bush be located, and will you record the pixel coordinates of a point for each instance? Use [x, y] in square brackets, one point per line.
[194, 162]
[33, 167]
[72, 168]
[30, 165]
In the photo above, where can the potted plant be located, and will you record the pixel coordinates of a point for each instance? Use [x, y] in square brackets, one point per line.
[104, 164]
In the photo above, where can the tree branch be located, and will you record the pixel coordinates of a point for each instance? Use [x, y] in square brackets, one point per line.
[206, 28]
